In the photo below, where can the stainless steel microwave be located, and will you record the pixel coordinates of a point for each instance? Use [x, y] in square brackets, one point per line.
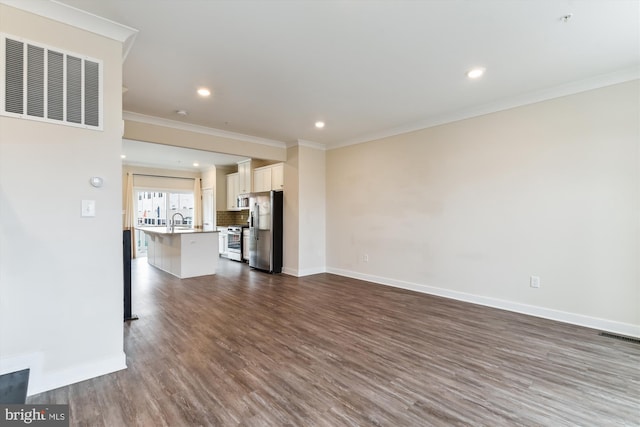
[243, 201]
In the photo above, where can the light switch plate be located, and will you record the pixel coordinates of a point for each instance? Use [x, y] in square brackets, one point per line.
[88, 208]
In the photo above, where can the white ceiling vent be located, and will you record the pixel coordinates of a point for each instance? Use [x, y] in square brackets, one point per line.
[48, 84]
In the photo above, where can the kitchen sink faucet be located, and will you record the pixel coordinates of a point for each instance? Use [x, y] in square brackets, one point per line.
[172, 223]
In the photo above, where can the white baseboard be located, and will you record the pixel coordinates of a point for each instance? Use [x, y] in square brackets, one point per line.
[304, 272]
[41, 380]
[621, 328]
[290, 271]
[32, 361]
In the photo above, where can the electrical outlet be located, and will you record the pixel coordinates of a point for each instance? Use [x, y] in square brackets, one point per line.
[534, 281]
[365, 258]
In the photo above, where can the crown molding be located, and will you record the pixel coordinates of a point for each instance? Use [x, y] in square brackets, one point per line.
[603, 80]
[306, 143]
[151, 120]
[78, 18]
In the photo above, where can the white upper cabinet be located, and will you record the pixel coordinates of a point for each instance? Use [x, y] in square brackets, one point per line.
[262, 179]
[277, 176]
[268, 178]
[245, 177]
[232, 191]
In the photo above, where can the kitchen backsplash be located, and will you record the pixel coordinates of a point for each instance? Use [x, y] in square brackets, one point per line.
[224, 218]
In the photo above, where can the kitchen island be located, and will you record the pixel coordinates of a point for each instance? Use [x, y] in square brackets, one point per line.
[183, 252]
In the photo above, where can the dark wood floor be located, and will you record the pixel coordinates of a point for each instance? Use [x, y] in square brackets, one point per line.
[250, 349]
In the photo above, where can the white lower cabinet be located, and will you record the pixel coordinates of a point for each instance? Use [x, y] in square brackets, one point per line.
[222, 241]
[184, 255]
[245, 244]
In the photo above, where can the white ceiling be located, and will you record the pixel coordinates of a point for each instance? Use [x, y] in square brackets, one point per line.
[364, 67]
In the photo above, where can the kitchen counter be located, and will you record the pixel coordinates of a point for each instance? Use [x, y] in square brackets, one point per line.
[178, 230]
[183, 253]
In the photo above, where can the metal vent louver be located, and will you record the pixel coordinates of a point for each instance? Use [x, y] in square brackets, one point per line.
[51, 85]
[55, 87]
[74, 89]
[35, 81]
[620, 337]
[91, 93]
[14, 102]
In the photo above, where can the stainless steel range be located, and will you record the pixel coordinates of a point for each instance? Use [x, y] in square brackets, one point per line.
[234, 242]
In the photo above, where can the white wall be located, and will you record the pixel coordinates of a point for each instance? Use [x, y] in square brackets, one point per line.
[291, 217]
[304, 211]
[472, 209]
[161, 131]
[311, 210]
[61, 282]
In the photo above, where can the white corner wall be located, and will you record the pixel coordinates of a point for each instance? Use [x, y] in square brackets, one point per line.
[471, 209]
[312, 210]
[304, 211]
[291, 217]
[61, 291]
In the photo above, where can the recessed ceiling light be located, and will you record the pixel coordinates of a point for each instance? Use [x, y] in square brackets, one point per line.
[122, 156]
[475, 73]
[181, 112]
[203, 91]
[196, 164]
[319, 125]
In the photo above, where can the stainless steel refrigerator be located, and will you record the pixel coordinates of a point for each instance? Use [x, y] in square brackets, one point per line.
[265, 231]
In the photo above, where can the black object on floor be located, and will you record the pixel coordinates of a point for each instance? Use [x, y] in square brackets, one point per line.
[13, 387]
[126, 263]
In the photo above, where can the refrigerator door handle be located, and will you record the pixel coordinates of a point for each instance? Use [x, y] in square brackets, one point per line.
[256, 218]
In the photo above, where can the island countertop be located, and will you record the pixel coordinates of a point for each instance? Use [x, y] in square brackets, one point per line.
[177, 230]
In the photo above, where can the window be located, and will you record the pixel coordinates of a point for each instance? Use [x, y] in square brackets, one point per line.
[156, 209]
